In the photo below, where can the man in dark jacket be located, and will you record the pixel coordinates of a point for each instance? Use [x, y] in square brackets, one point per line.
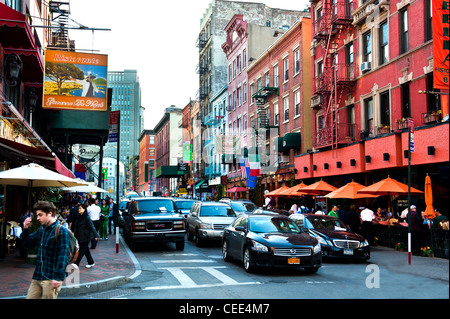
[52, 253]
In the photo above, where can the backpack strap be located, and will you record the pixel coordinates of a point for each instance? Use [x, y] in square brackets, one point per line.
[57, 230]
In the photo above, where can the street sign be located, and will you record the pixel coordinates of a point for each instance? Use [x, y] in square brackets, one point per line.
[411, 139]
[114, 117]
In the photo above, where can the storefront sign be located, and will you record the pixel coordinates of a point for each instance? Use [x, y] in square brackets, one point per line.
[441, 44]
[75, 81]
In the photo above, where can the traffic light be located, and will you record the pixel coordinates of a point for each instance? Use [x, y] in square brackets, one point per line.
[146, 172]
[105, 173]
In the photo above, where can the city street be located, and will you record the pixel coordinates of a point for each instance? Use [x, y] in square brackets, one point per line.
[201, 273]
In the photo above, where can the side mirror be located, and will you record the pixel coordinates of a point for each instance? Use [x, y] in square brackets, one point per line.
[240, 228]
[194, 214]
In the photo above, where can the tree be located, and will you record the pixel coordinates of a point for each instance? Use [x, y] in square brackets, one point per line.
[61, 72]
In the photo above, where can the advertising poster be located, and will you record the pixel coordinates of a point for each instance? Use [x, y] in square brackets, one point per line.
[75, 81]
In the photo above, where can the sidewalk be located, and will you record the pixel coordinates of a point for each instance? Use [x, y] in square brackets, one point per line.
[110, 270]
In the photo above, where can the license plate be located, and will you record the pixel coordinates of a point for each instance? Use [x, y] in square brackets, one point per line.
[348, 251]
[294, 261]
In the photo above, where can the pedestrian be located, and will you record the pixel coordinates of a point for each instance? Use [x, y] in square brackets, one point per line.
[439, 220]
[333, 211]
[94, 213]
[294, 208]
[343, 215]
[367, 218]
[52, 253]
[84, 231]
[353, 219]
[73, 214]
[104, 218]
[115, 214]
[416, 226]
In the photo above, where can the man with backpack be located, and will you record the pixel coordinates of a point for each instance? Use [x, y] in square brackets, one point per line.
[52, 252]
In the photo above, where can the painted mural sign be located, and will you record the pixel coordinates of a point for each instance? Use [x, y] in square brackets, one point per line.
[441, 44]
[75, 81]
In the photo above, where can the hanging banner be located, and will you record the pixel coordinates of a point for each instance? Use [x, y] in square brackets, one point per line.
[441, 44]
[75, 81]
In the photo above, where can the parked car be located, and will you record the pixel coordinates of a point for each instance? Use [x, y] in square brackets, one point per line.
[207, 220]
[184, 205]
[335, 238]
[240, 206]
[153, 219]
[271, 240]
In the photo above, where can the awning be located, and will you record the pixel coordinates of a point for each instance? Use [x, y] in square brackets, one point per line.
[197, 186]
[22, 154]
[17, 37]
[292, 140]
[168, 171]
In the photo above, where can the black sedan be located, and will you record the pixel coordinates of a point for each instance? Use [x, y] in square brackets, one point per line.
[335, 238]
[270, 240]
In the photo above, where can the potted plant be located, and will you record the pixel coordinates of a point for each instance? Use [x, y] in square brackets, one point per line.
[400, 246]
[426, 252]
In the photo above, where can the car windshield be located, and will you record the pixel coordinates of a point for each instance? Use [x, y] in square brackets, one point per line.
[243, 206]
[273, 225]
[319, 222]
[185, 204]
[209, 211]
[153, 206]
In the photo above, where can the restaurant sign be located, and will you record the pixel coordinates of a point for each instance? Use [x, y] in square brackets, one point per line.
[75, 81]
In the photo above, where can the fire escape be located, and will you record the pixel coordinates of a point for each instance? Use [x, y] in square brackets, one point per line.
[334, 78]
[60, 11]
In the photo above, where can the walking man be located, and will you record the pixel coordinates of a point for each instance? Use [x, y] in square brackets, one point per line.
[94, 213]
[52, 253]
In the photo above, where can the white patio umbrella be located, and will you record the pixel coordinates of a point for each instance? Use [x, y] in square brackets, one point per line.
[90, 188]
[34, 175]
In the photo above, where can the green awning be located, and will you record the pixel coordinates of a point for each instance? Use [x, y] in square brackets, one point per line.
[168, 171]
[278, 141]
[292, 140]
[197, 186]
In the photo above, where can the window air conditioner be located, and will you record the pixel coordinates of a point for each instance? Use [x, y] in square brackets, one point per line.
[366, 66]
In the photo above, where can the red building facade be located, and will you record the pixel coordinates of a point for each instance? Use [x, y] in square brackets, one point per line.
[147, 162]
[370, 59]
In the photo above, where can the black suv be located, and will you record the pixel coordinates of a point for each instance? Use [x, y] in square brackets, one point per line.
[153, 219]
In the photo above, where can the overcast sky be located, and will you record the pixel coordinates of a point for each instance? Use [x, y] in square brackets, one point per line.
[157, 38]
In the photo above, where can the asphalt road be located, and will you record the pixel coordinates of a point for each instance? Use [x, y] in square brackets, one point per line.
[201, 273]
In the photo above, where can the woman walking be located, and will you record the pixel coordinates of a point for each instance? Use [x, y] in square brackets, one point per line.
[104, 218]
[84, 231]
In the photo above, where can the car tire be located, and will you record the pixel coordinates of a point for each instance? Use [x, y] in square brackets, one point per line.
[190, 236]
[226, 256]
[179, 245]
[248, 262]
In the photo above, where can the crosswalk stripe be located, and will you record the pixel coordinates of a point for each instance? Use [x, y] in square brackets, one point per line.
[183, 261]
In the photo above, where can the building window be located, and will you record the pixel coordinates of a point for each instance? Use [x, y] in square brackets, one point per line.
[286, 108]
[297, 61]
[286, 69]
[239, 64]
[244, 92]
[351, 120]
[152, 139]
[385, 113]
[230, 74]
[275, 76]
[267, 79]
[433, 100]
[244, 59]
[252, 91]
[368, 115]
[367, 47]
[151, 163]
[428, 22]
[384, 43]
[404, 43]
[151, 151]
[276, 115]
[350, 61]
[406, 100]
[297, 103]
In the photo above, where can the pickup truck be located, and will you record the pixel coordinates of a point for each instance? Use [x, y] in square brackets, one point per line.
[153, 219]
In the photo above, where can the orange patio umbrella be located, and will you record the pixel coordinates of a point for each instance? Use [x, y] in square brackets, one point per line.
[429, 211]
[276, 193]
[350, 191]
[318, 188]
[294, 191]
[388, 187]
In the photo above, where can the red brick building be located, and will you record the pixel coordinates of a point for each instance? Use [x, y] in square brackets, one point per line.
[147, 162]
[370, 59]
[280, 94]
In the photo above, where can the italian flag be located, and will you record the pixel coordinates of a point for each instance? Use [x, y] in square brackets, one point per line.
[255, 165]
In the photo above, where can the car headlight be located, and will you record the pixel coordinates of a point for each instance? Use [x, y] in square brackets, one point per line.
[364, 243]
[206, 226]
[317, 249]
[259, 247]
[178, 224]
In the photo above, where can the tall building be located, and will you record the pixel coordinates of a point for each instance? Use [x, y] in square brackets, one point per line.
[126, 97]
